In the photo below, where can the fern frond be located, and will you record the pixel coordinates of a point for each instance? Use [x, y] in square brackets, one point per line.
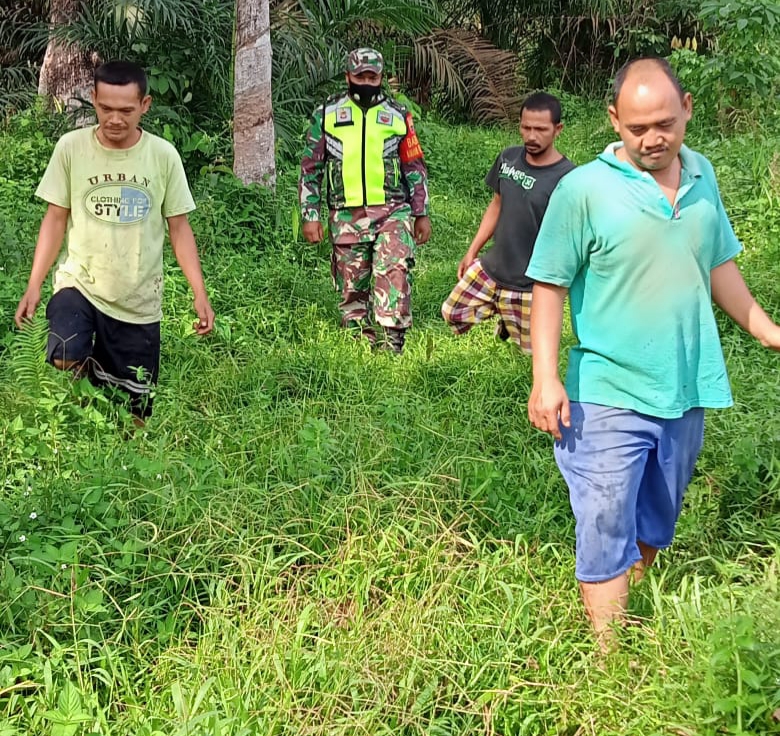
[27, 356]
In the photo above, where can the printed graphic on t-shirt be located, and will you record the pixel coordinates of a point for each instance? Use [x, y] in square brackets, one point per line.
[120, 201]
[518, 176]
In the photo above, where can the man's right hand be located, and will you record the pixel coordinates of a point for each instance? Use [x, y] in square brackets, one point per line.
[27, 306]
[312, 231]
[548, 406]
[465, 263]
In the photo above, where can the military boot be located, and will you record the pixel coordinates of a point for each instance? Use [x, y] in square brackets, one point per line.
[360, 329]
[394, 339]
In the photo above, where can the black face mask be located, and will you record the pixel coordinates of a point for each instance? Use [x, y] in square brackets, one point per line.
[365, 95]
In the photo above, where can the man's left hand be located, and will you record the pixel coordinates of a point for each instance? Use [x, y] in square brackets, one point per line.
[422, 229]
[205, 322]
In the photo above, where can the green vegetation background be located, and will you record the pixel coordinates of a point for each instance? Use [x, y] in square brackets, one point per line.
[311, 539]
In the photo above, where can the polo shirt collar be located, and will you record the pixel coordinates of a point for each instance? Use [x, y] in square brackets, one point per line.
[691, 168]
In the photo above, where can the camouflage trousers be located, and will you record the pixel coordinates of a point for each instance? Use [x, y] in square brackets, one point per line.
[387, 260]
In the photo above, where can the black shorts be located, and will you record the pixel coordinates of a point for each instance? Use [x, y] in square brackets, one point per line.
[113, 353]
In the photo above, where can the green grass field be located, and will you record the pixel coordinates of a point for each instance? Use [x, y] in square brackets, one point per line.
[308, 538]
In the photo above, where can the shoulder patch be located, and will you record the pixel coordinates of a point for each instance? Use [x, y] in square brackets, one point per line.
[410, 149]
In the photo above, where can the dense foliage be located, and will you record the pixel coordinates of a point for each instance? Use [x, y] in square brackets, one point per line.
[309, 538]
[578, 44]
[464, 59]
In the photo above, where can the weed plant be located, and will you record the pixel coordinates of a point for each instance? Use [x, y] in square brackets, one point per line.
[309, 538]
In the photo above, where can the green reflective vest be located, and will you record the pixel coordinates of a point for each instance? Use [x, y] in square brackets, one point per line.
[363, 165]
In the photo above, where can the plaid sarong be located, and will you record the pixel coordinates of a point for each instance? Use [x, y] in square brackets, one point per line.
[477, 297]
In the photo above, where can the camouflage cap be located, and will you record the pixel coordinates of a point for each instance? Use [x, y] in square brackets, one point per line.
[365, 60]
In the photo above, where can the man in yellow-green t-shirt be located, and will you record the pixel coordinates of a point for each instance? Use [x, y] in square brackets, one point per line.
[111, 189]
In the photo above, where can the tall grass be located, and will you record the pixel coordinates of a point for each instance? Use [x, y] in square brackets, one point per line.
[308, 538]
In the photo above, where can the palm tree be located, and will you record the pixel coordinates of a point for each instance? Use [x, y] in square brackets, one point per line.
[253, 120]
[66, 72]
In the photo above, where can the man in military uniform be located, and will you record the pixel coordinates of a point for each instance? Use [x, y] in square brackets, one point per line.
[377, 194]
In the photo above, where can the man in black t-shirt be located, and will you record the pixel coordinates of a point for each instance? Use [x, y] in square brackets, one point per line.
[522, 179]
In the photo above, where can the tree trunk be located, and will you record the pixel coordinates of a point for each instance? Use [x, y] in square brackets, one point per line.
[253, 118]
[66, 73]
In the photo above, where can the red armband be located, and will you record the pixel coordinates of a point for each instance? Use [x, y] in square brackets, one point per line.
[410, 149]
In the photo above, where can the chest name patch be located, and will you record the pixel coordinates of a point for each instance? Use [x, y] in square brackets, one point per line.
[384, 118]
[343, 115]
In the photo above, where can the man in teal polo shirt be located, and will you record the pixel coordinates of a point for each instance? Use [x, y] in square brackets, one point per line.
[640, 241]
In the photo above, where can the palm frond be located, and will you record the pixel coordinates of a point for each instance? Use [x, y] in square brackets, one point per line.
[347, 18]
[18, 86]
[23, 36]
[122, 24]
[469, 70]
[576, 43]
[188, 42]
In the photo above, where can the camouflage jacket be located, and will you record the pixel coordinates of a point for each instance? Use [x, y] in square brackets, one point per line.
[368, 158]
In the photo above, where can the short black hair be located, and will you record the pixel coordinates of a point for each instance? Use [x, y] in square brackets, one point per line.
[657, 61]
[121, 73]
[540, 101]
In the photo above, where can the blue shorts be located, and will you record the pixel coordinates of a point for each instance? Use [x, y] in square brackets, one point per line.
[627, 474]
